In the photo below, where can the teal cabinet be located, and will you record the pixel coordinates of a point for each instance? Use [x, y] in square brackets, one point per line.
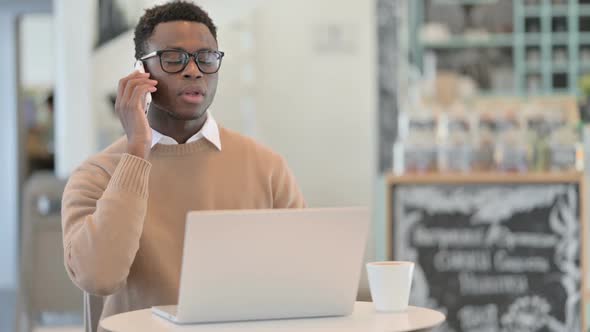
[548, 42]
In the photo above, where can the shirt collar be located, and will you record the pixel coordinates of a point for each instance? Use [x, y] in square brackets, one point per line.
[210, 132]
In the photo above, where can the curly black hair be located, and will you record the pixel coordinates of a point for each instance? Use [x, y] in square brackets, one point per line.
[172, 11]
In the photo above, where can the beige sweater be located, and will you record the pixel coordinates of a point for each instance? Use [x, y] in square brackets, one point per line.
[123, 217]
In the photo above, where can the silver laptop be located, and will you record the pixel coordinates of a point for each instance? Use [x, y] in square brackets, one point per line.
[269, 264]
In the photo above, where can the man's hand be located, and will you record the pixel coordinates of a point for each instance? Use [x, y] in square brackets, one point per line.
[129, 106]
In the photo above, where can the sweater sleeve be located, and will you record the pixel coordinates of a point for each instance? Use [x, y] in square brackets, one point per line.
[102, 221]
[286, 193]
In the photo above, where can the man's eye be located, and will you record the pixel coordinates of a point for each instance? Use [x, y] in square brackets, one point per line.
[208, 59]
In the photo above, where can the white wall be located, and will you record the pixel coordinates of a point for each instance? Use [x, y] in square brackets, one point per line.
[37, 56]
[75, 124]
[110, 63]
[9, 155]
[317, 108]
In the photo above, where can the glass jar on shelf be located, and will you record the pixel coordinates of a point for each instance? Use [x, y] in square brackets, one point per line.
[484, 143]
[511, 150]
[537, 131]
[415, 149]
[455, 147]
[565, 148]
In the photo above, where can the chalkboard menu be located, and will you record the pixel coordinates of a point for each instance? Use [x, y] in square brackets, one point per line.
[493, 256]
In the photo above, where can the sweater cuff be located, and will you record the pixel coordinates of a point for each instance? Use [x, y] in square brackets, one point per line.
[132, 175]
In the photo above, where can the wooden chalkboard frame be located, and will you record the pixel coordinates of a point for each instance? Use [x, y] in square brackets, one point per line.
[496, 178]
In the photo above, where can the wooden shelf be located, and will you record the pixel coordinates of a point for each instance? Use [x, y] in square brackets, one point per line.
[485, 177]
[556, 10]
[560, 38]
[560, 68]
[584, 38]
[532, 38]
[465, 2]
[497, 40]
[584, 10]
[559, 10]
[532, 11]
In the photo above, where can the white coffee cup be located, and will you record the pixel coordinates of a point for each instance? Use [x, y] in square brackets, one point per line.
[390, 283]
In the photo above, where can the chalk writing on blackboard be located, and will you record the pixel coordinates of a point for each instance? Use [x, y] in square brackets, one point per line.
[493, 257]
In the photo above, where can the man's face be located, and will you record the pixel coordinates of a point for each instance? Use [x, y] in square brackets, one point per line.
[176, 92]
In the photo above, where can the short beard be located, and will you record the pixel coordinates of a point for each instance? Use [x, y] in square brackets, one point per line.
[176, 116]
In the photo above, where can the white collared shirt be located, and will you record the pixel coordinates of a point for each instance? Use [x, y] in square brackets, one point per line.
[210, 132]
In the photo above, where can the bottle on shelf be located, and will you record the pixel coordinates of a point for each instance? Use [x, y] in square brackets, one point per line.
[537, 132]
[415, 149]
[484, 139]
[565, 149]
[511, 152]
[455, 147]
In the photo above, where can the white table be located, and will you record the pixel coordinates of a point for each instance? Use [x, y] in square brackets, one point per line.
[364, 318]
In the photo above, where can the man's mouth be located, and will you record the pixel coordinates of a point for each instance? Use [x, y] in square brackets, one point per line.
[192, 95]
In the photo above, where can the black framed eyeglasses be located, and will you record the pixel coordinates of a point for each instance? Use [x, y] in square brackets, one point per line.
[174, 61]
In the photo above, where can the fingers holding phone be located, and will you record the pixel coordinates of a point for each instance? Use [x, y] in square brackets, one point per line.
[130, 107]
[148, 96]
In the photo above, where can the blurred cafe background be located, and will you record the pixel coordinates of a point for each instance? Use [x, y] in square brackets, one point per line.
[463, 124]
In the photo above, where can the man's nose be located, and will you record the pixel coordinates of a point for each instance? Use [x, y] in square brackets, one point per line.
[192, 70]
